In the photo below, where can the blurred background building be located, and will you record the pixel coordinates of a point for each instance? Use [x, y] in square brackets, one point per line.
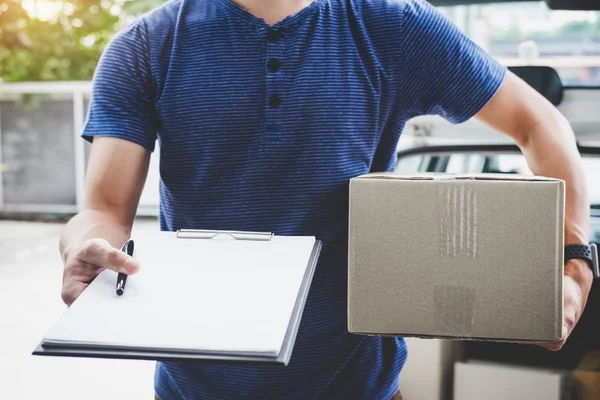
[49, 50]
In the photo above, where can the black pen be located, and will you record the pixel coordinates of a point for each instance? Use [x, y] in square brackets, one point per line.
[122, 278]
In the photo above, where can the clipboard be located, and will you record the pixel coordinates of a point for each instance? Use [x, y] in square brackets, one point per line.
[105, 350]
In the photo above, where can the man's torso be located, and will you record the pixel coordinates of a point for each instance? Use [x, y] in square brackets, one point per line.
[262, 131]
[262, 127]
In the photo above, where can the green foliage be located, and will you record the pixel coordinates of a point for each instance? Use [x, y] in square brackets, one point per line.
[65, 47]
[139, 7]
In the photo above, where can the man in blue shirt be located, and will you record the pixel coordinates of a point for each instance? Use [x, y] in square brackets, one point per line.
[264, 110]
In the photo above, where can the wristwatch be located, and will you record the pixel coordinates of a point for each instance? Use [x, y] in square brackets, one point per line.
[587, 252]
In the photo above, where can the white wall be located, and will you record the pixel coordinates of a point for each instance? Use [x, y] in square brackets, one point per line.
[428, 372]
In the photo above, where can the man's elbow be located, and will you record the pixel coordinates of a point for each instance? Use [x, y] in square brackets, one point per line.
[546, 126]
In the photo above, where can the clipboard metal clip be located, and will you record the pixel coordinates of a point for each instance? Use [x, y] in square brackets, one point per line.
[210, 234]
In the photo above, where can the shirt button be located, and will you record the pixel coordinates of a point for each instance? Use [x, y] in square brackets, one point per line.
[273, 64]
[274, 101]
[273, 36]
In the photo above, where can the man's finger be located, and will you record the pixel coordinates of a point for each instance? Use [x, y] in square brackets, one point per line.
[71, 291]
[570, 318]
[83, 272]
[557, 345]
[102, 254]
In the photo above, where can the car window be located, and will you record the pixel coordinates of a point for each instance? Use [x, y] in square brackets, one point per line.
[465, 163]
[529, 33]
[515, 163]
[459, 163]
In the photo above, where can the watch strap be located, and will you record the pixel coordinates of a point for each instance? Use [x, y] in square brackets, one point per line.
[587, 252]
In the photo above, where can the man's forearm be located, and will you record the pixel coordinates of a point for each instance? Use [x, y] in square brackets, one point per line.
[547, 141]
[92, 224]
[551, 150]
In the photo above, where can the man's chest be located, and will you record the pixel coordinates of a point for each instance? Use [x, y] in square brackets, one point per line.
[258, 87]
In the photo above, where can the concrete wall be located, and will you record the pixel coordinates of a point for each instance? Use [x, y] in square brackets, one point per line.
[39, 146]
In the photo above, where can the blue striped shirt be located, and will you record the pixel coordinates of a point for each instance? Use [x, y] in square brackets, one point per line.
[261, 127]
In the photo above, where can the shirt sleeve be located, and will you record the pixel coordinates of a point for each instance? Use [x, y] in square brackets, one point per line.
[122, 102]
[443, 71]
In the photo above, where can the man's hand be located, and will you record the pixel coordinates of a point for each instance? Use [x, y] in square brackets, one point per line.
[85, 262]
[115, 178]
[577, 284]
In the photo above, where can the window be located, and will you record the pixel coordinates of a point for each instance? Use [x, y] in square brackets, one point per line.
[528, 33]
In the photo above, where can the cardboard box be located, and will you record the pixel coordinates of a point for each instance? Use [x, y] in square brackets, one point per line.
[456, 256]
[587, 377]
[489, 381]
